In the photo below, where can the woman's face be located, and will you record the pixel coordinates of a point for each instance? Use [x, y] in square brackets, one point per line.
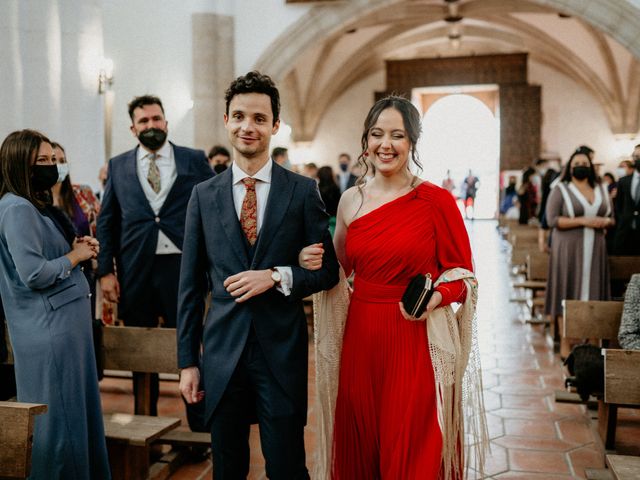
[60, 156]
[388, 143]
[45, 155]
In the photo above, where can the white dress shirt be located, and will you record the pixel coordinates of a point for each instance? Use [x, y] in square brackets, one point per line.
[263, 186]
[166, 163]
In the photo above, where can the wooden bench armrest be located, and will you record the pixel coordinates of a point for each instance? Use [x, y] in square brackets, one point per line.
[16, 434]
[623, 467]
[622, 377]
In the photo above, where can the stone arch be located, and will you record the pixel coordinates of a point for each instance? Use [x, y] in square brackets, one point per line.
[618, 18]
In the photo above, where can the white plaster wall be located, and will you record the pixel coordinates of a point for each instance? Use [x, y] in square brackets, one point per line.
[258, 24]
[149, 42]
[49, 52]
[572, 117]
[341, 127]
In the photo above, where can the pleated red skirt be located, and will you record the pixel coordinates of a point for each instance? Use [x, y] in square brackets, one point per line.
[386, 423]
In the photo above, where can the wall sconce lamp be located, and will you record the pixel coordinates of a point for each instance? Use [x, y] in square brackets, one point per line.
[105, 76]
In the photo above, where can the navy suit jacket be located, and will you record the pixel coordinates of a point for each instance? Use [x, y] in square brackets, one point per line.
[128, 228]
[215, 248]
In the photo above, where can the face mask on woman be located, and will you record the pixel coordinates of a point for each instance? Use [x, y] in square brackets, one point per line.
[580, 173]
[44, 177]
[621, 172]
[63, 171]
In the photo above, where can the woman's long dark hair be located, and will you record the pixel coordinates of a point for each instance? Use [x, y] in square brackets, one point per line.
[66, 190]
[566, 174]
[17, 154]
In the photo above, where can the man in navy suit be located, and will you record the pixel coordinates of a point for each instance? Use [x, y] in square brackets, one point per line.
[141, 223]
[244, 231]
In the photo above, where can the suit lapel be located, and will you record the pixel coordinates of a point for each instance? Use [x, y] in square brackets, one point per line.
[278, 201]
[131, 172]
[228, 217]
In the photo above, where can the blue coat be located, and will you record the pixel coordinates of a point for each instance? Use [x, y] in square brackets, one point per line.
[128, 228]
[48, 313]
[215, 248]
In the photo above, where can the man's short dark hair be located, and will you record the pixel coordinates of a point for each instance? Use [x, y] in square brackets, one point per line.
[143, 100]
[255, 82]
[218, 150]
[278, 152]
[345, 155]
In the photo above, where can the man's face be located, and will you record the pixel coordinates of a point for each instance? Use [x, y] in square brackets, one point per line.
[250, 124]
[148, 116]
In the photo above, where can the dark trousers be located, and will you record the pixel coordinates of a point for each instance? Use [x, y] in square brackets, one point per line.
[163, 295]
[254, 389]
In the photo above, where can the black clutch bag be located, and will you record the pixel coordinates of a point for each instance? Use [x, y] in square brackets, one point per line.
[417, 294]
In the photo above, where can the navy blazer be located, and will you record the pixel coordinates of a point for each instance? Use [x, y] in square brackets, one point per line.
[215, 248]
[127, 227]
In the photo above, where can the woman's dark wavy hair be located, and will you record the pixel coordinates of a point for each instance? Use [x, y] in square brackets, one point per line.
[566, 174]
[17, 153]
[255, 82]
[412, 125]
[66, 189]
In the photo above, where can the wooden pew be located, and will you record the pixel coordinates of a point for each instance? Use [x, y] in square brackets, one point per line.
[594, 320]
[146, 350]
[622, 267]
[624, 467]
[621, 389]
[16, 437]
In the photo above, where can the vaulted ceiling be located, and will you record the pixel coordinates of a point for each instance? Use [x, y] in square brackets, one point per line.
[358, 48]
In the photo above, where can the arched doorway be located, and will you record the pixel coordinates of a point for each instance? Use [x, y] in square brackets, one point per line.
[460, 133]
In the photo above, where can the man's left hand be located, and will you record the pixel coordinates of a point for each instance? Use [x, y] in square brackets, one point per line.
[245, 285]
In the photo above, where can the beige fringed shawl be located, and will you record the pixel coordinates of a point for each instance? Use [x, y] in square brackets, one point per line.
[456, 361]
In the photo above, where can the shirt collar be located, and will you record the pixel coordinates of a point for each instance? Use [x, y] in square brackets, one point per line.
[164, 152]
[263, 175]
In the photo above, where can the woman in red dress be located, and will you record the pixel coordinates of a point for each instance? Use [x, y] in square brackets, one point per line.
[388, 230]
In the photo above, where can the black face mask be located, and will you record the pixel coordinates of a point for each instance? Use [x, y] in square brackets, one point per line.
[580, 173]
[152, 138]
[219, 168]
[344, 167]
[44, 177]
[637, 164]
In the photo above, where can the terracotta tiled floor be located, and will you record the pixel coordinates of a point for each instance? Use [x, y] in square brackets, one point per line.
[532, 437]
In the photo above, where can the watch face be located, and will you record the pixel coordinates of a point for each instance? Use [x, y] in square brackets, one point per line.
[276, 277]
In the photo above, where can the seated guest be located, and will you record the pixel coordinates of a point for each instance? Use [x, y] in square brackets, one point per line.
[527, 197]
[47, 306]
[629, 333]
[219, 158]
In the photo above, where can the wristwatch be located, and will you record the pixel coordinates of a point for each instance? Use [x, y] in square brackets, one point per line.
[276, 276]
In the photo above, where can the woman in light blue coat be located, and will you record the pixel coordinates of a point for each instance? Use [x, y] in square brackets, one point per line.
[46, 303]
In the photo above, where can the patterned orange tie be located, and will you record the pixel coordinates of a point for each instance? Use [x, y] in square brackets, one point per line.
[249, 212]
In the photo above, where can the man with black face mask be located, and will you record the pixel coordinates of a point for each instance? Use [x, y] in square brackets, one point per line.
[627, 239]
[346, 178]
[141, 224]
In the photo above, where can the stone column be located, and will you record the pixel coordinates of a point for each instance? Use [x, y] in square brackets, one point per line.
[213, 71]
[11, 71]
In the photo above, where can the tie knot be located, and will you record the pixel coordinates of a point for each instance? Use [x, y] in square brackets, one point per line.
[249, 183]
